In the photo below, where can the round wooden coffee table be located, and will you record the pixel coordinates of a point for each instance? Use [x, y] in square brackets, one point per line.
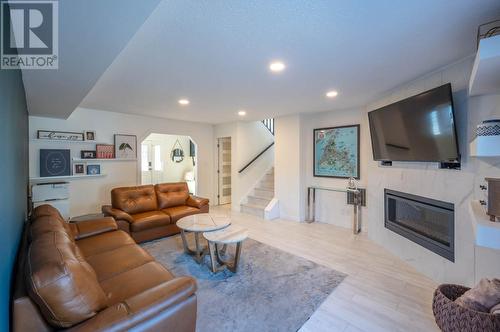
[230, 235]
[200, 223]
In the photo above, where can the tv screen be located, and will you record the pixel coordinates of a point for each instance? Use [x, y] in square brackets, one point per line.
[419, 128]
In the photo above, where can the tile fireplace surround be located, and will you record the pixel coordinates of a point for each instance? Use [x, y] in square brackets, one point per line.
[425, 179]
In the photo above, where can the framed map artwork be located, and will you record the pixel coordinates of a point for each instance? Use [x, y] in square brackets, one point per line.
[336, 152]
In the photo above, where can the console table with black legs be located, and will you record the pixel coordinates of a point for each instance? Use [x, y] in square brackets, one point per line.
[354, 196]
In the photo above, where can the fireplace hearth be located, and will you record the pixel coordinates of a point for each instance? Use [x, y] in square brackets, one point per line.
[427, 222]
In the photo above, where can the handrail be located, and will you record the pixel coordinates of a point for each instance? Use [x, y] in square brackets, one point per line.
[256, 157]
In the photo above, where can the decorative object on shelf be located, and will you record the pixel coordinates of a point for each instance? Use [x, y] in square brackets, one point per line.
[93, 169]
[55, 162]
[78, 169]
[90, 135]
[59, 135]
[489, 128]
[177, 153]
[125, 146]
[487, 30]
[336, 152]
[88, 154]
[105, 151]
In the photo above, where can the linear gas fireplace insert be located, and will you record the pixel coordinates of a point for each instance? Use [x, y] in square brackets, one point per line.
[427, 222]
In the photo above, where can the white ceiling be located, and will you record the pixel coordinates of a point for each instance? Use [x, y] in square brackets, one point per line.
[216, 54]
[91, 34]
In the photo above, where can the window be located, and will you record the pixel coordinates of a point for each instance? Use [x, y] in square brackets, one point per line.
[158, 162]
[144, 158]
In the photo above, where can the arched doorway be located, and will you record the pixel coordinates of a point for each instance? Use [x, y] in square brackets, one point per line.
[169, 158]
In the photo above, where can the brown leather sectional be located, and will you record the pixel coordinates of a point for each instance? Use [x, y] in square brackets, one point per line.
[150, 212]
[91, 276]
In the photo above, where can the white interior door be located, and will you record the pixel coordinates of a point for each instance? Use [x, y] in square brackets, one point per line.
[224, 170]
[151, 163]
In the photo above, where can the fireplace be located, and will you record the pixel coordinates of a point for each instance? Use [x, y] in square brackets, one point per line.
[427, 222]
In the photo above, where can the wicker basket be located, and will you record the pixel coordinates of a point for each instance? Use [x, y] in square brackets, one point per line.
[451, 317]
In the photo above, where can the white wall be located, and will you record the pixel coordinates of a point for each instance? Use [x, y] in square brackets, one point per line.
[331, 207]
[294, 144]
[289, 167]
[87, 195]
[247, 140]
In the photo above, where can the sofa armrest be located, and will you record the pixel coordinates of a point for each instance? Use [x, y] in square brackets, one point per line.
[108, 210]
[197, 202]
[93, 227]
[150, 310]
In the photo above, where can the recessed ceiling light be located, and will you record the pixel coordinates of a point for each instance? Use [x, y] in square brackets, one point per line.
[277, 66]
[242, 113]
[183, 101]
[332, 94]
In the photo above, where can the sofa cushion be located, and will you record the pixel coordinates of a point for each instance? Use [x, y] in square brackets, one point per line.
[147, 220]
[46, 210]
[171, 194]
[134, 199]
[178, 212]
[48, 224]
[104, 242]
[136, 280]
[61, 282]
[113, 262]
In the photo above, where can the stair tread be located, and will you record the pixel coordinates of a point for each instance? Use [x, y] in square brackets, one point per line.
[254, 206]
[265, 188]
[260, 197]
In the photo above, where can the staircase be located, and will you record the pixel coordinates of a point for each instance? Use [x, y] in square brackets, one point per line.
[261, 196]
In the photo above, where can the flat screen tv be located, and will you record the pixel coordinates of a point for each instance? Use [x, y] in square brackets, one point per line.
[419, 128]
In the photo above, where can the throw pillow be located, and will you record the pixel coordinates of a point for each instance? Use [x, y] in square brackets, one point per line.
[495, 310]
[482, 297]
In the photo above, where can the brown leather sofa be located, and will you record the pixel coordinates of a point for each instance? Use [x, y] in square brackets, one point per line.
[90, 276]
[150, 212]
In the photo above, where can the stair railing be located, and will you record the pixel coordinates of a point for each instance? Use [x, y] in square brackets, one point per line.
[269, 123]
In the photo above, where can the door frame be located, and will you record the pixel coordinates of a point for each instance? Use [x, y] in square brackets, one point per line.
[218, 171]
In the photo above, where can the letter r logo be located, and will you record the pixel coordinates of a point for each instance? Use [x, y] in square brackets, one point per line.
[28, 27]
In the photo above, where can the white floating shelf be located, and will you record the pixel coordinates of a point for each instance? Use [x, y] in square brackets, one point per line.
[67, 177]
[485, 77]
[99, 160]
[486, 232]
[485, 146]
[61, 141]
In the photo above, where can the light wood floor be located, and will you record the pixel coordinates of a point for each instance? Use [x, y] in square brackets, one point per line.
[380, 293]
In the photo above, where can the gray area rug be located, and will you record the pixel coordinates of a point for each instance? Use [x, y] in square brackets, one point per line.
[271, 291]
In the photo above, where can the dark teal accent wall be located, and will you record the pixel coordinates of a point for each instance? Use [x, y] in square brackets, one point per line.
[13, 179]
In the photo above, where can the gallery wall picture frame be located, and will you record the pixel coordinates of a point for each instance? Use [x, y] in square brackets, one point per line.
[93, 169]
[105, 151]
[60, 135]
[79, 169]
[88, 154]
[336, 152]
[125, 146]
[90, 135]
[55, 162]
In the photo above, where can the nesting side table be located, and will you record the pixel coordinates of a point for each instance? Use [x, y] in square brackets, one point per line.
[200, 223]
[230, 235]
